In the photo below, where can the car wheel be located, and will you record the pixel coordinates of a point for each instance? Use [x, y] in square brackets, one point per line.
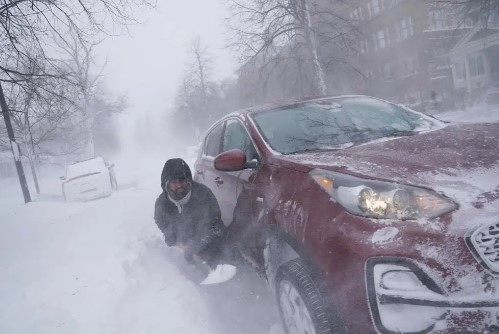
[302, 303]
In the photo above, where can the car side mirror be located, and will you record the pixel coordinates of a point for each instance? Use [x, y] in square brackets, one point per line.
[62, 178]
[233, 160]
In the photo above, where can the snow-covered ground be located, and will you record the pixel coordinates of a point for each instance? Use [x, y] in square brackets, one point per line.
[102, 267]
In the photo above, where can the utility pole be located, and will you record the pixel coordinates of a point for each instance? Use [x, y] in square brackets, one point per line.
[15, 147]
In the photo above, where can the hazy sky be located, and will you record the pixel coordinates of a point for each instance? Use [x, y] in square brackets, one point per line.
[147, 64]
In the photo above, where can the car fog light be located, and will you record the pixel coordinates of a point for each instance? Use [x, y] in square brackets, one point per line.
[403, 280]
[398, 291]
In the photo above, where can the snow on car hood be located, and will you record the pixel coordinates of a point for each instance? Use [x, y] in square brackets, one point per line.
[462, 161]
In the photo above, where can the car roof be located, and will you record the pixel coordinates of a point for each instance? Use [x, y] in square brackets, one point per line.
[287, 103]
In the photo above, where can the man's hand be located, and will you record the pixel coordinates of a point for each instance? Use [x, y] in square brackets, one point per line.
[170, 240]
[188, 254]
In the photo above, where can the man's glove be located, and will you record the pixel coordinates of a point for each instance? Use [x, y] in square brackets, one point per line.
[170, 239]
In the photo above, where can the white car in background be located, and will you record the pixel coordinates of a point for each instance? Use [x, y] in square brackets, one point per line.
[89, 179]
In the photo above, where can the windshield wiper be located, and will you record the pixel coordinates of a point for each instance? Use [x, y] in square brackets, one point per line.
[306, 150]
[401, 133]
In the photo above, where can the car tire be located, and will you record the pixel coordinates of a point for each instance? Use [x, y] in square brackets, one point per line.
[302, 302]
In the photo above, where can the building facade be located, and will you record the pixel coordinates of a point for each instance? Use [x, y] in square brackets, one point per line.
[403, 51]
[475, 65]
[420, 53]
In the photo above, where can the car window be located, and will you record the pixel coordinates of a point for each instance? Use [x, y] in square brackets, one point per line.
[336, 123]
[236, 136]
[212, 146]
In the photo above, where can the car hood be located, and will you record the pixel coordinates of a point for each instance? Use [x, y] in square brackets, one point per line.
[459, 160]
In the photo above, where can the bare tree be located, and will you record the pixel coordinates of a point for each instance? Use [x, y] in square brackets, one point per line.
[267, 31]
[198, 93]
[199, 69]
[26, 51]
[26, 26]
[39, 117]
[79, 65]
[483, 12]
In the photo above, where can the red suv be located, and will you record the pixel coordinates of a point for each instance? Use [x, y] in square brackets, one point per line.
[362, 215]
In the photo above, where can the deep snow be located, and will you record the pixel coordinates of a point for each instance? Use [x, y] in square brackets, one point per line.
[102, 267]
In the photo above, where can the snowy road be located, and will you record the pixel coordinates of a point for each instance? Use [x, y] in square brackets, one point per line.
[102, 267]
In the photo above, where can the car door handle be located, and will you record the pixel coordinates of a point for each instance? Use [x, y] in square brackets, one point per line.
[218, 180]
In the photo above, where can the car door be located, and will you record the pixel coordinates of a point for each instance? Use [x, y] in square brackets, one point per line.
[242, 192]
[236, 137]
[204, 169]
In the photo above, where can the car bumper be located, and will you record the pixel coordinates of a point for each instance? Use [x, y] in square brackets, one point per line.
[403, 298]
[451, 292]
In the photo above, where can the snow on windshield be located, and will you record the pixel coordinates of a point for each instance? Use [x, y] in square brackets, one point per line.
[337, 123]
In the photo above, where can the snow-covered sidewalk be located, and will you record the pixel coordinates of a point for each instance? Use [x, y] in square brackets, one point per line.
[102, 267]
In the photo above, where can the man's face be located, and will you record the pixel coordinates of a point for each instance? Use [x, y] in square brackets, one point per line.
[178, 189]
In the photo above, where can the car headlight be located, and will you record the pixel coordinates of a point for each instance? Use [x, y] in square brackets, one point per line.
[384, 200]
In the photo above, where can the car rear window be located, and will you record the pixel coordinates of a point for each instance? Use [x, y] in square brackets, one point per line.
[86, 167]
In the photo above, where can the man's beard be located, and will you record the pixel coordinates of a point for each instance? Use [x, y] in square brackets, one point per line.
[179, 193]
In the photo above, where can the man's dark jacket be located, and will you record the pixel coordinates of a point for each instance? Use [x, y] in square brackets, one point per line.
[198, 226]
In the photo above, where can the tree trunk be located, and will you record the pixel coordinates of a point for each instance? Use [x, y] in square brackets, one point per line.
[33, 170]
[29, 152]
[15, 147]
[89, 123]
[320, 84]
[90, 139]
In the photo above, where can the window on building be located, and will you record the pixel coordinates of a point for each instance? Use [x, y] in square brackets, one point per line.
[356, 15]
[398, 38]
[387, 36]
[363, 46]
[391, 3]
[380, 40]
[404, 29]
[476, 64]
[439, 20]
[459, 70]
[409, 66]
[374, 7]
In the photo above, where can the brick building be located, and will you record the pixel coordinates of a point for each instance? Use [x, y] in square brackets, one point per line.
[404, 51]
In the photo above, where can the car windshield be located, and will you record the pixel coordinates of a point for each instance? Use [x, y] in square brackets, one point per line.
[95, 165]
[336, 124]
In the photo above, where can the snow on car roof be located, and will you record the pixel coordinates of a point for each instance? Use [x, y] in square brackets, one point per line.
[86, 167]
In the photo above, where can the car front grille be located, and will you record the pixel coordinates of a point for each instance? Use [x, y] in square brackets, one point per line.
[484, 242]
